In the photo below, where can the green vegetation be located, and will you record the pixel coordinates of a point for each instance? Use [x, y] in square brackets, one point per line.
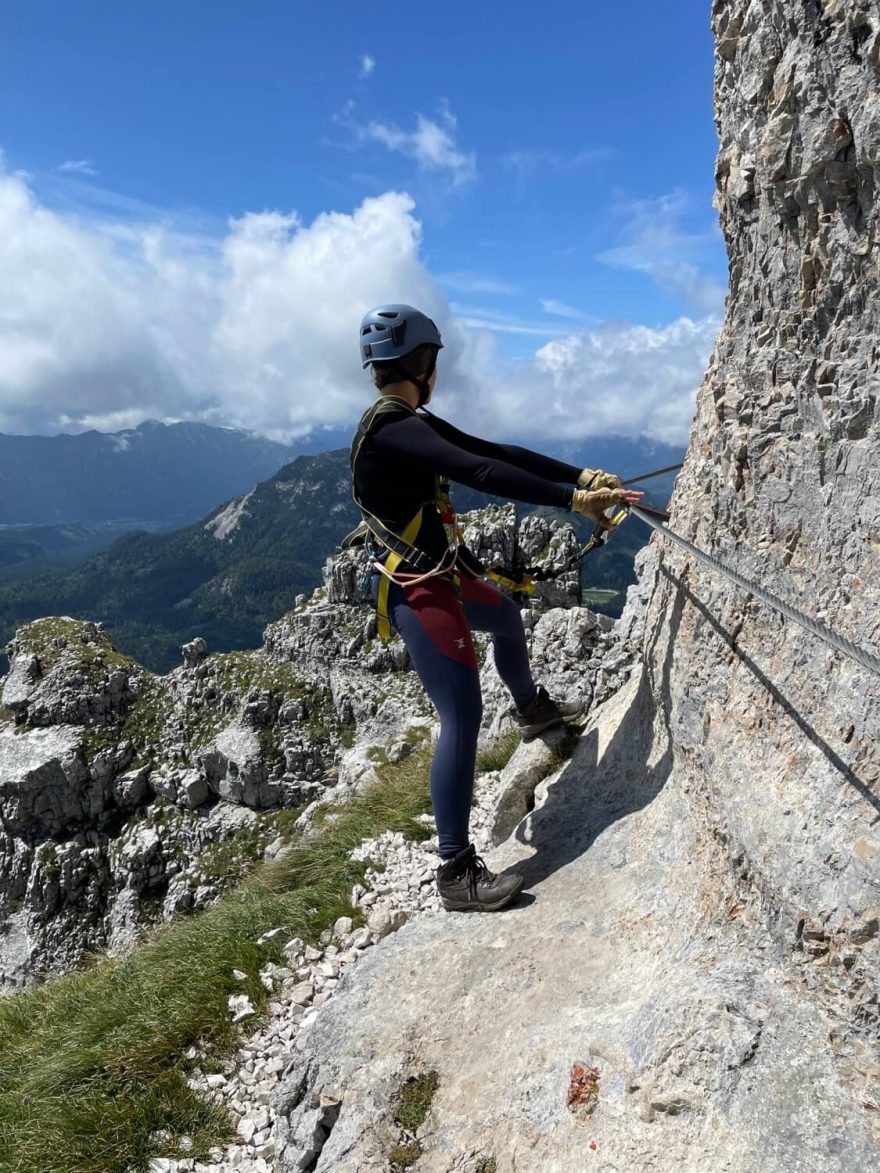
[91, 1064]
[234, 858]
[51, 638]
[415, 1099]
[486, 1165]
[413, 1104]
[229, 861]
[402, 1156]
[498, 754]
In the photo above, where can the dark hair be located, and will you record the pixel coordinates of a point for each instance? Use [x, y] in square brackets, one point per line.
[418, 362]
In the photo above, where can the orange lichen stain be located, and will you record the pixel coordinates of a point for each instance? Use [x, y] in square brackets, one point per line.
[583, 1090]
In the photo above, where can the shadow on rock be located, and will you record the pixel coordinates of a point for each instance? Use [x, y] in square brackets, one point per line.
[594, 790]
[604, 783]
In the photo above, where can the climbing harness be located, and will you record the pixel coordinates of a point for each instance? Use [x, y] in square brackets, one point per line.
[839, 642]
[401, 546]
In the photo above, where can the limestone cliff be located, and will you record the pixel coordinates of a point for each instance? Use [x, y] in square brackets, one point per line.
[777, 734]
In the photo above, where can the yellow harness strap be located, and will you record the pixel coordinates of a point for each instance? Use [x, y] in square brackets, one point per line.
[526, 587]
[391, 564]
[383, 535]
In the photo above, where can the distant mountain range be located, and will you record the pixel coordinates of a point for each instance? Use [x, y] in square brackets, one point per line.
[154, 474]
[228, 575]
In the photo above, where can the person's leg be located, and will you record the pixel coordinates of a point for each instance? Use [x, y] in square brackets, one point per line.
[486, 609]
[432, 624]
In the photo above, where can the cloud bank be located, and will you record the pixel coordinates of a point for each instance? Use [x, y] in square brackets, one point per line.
[108, 321]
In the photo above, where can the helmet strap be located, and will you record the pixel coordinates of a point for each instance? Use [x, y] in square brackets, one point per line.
[421, 382]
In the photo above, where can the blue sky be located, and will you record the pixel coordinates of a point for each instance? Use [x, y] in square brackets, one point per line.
[558, 165]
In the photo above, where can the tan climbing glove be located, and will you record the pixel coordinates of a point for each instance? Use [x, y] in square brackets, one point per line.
[595, 478]
[592, 504]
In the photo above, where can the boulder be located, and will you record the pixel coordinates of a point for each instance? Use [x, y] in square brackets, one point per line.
[45, 785]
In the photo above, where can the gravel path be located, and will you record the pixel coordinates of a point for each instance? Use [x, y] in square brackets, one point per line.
[248, 1084]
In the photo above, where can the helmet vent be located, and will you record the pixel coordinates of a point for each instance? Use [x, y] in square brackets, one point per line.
[388, 314]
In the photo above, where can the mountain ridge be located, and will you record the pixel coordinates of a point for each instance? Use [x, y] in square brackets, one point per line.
[227, 575]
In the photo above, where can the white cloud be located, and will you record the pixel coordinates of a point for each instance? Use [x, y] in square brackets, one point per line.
[432, 143]
[78, 167]
[499, 322]
[628, 379]
[368, 64]
[103, 324]
[560, 310]
[654, 242]
[111, 319]
[465, 281]
[526, 162]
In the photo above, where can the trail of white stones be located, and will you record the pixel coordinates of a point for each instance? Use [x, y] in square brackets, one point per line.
[247, 1084]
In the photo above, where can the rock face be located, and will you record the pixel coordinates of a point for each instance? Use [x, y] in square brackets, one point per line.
[778, 735]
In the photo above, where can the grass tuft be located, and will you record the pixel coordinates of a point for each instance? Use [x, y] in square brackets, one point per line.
[403, 1156]
[91, 1063]
[498, 754]
[414, 1103]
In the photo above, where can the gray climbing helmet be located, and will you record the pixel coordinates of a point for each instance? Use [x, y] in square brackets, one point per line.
[391, 332]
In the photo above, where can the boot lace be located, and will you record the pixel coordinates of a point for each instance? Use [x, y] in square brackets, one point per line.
[476, 871]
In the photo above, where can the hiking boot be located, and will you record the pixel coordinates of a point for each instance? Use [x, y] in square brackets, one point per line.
[543, 713]
[465, 882]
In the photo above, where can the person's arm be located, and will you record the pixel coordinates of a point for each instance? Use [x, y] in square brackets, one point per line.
[534, 462]
[415, 439]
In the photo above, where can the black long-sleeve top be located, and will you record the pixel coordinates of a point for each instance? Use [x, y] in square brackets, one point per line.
[404, 451]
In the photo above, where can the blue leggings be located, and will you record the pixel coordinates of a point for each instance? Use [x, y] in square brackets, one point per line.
[436, 625]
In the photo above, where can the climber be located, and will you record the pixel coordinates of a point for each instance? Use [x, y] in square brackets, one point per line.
[428, 585]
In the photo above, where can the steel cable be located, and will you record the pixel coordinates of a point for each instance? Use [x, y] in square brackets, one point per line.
[646, 476]
[839, 642]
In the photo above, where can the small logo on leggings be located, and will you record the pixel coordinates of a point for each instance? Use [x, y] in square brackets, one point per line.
[460, 643]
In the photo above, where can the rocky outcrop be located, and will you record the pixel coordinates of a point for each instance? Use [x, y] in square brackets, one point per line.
[118, 788]
[777, 734]
[499, 536]
[66, 672]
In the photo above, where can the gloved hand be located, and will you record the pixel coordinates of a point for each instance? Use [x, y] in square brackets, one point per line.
[592, 504]
[595, 478]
